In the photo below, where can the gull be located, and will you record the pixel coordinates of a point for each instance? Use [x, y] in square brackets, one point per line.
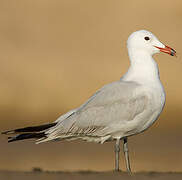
[116, 111]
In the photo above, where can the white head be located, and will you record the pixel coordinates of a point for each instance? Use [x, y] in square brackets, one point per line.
[144, 41]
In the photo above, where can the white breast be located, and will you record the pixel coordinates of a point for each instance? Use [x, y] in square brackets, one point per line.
[155, 106]
[155, 102]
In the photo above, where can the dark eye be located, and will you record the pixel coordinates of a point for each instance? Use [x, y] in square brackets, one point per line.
[146, 38]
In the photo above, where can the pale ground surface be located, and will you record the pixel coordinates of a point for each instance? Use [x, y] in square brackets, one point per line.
[56, 54]
[88, 175]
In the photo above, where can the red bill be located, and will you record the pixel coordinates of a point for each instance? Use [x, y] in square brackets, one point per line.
[167, 50]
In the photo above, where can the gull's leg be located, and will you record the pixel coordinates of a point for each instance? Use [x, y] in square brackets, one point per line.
[126, 154]
[117, 150]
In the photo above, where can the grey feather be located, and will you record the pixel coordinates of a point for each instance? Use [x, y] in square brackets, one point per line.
[106, 112]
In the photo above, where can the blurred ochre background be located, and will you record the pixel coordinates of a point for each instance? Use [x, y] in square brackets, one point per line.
[55, 54]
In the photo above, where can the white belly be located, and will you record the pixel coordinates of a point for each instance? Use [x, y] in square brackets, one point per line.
[156, 101]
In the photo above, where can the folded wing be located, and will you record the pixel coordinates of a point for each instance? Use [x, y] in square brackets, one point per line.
[105, 113]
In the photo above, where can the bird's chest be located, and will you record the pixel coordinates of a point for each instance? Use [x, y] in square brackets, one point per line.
[156, 101]
[156, 98]
[146, 110]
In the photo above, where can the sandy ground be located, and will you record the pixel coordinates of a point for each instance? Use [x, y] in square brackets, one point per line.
[82, 175]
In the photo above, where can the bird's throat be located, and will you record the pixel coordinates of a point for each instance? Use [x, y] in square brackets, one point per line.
[143, 68]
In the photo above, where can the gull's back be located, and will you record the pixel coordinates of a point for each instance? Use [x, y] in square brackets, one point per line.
[119, 109]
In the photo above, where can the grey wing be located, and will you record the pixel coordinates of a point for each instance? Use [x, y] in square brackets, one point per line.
[106, 112]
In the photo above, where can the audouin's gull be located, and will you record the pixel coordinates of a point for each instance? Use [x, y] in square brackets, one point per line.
[117, 110]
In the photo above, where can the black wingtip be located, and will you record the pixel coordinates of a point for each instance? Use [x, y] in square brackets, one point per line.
[25, 136]
[30, 129]
[11, 139]
[8, 132]
[28, 132]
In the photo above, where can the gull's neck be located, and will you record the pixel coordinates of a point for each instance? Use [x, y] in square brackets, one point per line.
[143, 68]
